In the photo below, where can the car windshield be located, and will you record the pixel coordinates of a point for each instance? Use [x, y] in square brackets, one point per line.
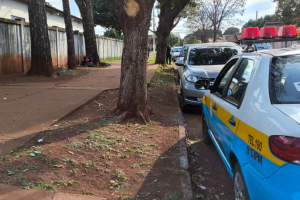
[211, 56]
[263, 46]
[176, 49]
[183, 51]
[285, 80]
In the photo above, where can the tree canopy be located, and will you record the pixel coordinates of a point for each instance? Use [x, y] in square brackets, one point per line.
[231, 31]
[203, 35]
[173, 40]
[191, 40]
[215, 14]
[104, 16]
[262, 20]
[111, 33]
[288, 10]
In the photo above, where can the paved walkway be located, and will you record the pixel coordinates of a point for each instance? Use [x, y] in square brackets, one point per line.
[28, 107]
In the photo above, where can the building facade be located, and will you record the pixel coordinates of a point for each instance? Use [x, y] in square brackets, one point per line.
[18, 9]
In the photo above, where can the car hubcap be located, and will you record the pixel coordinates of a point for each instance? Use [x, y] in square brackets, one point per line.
[239, 190]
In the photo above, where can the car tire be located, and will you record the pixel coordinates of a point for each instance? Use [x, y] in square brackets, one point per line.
[184, 107]
[239, 186]
[206, 137]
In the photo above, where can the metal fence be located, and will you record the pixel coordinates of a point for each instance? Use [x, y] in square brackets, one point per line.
[15, 47]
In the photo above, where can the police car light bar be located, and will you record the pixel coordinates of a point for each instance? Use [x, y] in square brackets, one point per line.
[287, 31]
[268, 32]
[250, 33]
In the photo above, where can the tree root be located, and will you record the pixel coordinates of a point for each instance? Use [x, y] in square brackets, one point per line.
[126, 115]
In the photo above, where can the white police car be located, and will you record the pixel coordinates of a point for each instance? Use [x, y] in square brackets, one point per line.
[252, 115]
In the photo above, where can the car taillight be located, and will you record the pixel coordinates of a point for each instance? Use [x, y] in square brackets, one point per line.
[268, 32]
[287, 31]
[285, 147]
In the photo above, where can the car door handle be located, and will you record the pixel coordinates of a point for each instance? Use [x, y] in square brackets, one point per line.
[215, 107]
[232, 122]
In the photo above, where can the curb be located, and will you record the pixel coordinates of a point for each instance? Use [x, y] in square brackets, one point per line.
[186, 182]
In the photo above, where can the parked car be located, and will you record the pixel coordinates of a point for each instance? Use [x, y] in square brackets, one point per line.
[175, 52]
[202, 61]
[251, 115]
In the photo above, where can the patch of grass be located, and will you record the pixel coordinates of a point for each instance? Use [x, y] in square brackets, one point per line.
[72, 72]
[40, 184]
[75, 144]
[85, 192]
[144, 194]
[120, 179]
[135, 166]
[177, 171]
[175, 129]
[147, 164]
[86, 119]
[173, 196]
[119, 175]
[88, 164]
[129, 150]
[111, 59]
[72, 161]
[152, 61]
[141, 174]
[124, 156]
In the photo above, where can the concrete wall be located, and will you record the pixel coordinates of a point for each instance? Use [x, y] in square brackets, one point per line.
[20, 9]
[15, 47]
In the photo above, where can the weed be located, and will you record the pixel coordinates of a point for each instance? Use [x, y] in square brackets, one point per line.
[141, 174]
[173, 196]
[177, 171]
[86, 119]
[74, 170]
[75, 144]
[144, 195]
[119, 175]
[72, 161]
[148, 164]
[124, 156]
[154, 123]
[88, 164]
[129, 150]
[85, 192]
[135, 166]
[40, 184]
[175, 129]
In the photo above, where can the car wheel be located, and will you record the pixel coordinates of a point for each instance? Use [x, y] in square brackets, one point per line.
[239, 186]
[206, 137]
[184, 107]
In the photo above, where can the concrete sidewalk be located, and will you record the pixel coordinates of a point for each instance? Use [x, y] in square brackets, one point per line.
[27, 108]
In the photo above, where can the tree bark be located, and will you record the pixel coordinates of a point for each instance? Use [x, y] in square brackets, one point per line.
[168, 14]
[70, 36]
[134, 18]
[86, 11]
[41, 61]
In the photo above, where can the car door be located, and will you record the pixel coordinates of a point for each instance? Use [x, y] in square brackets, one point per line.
[214, 97]
[229, 112]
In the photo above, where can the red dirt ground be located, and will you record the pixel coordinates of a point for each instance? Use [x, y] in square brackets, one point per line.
[88, 153]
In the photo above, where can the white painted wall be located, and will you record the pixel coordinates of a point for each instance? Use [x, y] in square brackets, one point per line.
[19, 9]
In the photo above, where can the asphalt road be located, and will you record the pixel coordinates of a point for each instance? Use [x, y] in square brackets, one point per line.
[210, 179]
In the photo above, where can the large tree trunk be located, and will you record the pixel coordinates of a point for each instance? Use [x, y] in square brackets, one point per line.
[162, 42]
[70, 36]
[86, 11]
[134, 18]
[167, 16]
[41, 61]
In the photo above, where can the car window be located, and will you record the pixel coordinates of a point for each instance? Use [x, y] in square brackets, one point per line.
[183, 51]
[176, 49]
[221, 81]
[239, 81]
[211, 56]
[285, 80]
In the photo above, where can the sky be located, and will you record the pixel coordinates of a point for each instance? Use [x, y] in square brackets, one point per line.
[264, 7]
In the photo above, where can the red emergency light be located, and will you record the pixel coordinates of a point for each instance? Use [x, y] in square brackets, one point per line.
[268, 32]
[287, 31]
[250, 33]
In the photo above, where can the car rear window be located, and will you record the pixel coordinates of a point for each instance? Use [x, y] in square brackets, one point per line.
[211, 56]
[176, 49]
[285, 80]
[183, 51]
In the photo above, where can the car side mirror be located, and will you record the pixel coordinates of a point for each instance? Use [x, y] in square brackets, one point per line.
[202, 85]
[179, 63]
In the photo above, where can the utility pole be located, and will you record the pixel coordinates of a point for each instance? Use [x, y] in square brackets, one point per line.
[154, 27]
[256, 14]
